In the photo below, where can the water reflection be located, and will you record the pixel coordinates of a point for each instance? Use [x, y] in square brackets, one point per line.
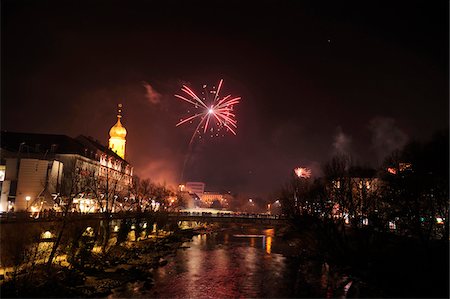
[268, 245]
[252, 241]
[234, 263]
[243, 262]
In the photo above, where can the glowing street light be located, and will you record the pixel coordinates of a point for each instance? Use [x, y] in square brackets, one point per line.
[27, 198]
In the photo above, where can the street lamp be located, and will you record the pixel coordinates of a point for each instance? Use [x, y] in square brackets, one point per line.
[27, 198]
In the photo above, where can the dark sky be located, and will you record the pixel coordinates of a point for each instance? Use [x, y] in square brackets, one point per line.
[316, 78]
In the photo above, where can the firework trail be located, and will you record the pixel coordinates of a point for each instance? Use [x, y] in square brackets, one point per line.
[303, 172]
[213, 112]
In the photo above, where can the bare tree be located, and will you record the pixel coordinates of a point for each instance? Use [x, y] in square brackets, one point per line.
[140, 192]
[106, 186]
[73, 185]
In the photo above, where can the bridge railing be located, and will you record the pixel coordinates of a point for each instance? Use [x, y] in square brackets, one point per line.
[227, 215]
[51, 215]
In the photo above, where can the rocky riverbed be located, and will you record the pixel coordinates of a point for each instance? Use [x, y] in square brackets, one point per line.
[129, 263]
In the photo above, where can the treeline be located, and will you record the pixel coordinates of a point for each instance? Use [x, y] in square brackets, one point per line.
[387, 227]
[408, 193]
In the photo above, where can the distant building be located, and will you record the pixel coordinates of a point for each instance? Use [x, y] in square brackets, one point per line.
[361, 190]
[195, 187]
[402, 167]
[198, 197]
[208, 198]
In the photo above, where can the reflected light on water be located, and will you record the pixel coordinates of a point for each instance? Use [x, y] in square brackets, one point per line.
[221, 259]
[196, 240]
[250, 267]
[269, 232]
[225, 265]
[194, 263]
[268, 244]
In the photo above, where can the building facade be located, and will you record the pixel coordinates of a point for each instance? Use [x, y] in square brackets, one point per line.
[42, 170]
[210, 198]
[197, 188]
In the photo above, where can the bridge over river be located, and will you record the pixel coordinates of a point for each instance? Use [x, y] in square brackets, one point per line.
[229, 218]
[205, 217]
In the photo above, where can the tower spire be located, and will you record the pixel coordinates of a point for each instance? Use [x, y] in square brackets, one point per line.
[119, 111]
[117, 135]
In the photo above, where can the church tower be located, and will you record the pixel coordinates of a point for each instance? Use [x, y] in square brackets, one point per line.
[117, 135]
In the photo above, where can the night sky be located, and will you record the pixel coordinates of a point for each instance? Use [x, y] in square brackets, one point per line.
[316, 78]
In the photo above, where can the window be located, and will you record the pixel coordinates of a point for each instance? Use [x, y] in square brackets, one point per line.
[2, 172]
[53, 148]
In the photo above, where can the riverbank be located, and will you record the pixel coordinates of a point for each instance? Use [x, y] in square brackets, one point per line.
[379, 264]
[127, 263]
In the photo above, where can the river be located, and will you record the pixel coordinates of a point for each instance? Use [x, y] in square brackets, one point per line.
[234, 262]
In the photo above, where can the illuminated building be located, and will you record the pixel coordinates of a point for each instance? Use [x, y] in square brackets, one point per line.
[197, 188]
[45, 167]
[117, 135]
[195, 195]
[360, 186]
[209, 197]
[403, 166]
[356, 184]
[400, 168]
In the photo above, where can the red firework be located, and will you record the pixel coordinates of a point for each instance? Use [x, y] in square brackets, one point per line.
[213, 111]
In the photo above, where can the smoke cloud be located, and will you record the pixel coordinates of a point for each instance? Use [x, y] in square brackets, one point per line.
[386, 136]
[160, 171]
[342, 143]
[151, 94]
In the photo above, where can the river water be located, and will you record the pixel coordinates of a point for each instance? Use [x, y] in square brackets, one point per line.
[234, 262]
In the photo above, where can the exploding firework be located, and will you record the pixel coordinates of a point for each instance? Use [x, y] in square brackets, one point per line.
[303, 172]
[213, 112]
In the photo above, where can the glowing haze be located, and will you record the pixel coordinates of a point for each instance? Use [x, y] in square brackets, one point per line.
[314, 79]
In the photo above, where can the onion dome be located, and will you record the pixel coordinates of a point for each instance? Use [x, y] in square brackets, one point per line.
[118, 131]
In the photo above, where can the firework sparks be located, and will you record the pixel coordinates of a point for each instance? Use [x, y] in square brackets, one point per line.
[213, 112]
[303, 172]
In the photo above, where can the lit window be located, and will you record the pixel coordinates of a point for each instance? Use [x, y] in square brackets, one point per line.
[2, 173]
[46, 235]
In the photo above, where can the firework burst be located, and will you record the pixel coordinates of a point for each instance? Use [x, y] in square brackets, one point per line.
[213, 112]
[303, 172]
